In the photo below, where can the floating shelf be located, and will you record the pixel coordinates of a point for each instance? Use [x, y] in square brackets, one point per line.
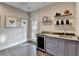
[64, 19]
[64, 24]
[63, 15]
[47, 23]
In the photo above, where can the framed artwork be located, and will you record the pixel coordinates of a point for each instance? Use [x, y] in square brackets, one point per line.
[11, 22]
[23, 23]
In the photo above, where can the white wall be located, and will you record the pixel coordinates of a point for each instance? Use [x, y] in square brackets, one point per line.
[11, 36]
[51, 11]
[77, 18]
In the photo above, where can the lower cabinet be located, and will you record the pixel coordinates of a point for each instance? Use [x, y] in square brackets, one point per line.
[55, 46]
[71, 48]
[78, 48]
[61, 47]
[51, 46]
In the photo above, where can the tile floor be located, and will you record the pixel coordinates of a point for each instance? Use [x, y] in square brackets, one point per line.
[25, 49]
[40, 53]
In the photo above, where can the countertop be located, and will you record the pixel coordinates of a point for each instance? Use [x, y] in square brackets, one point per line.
[66, 37]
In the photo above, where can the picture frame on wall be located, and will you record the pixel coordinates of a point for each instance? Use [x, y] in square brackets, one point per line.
[23, 22]
[11, 22]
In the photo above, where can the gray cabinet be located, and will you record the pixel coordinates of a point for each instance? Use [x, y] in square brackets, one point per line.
[61, 48]
[51, 45]
[71, 48]
[55, 46]
[77, 48]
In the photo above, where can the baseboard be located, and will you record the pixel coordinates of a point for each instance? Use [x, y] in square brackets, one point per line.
[34, 40]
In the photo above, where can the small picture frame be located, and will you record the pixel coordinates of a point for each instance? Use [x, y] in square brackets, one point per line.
[11, 22]
[23, 22]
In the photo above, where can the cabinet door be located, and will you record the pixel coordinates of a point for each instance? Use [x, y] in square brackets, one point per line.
[61, 47]
[51, 45]
[77, 51]
[71, 48]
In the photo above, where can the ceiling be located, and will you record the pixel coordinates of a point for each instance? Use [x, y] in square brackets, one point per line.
[29, 6]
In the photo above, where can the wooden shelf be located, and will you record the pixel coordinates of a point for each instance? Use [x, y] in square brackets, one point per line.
[63, 15]
[64, 24]
[47, 23]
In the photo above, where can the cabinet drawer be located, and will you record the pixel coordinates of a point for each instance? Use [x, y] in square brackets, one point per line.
[50, 38]
[51, 41]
